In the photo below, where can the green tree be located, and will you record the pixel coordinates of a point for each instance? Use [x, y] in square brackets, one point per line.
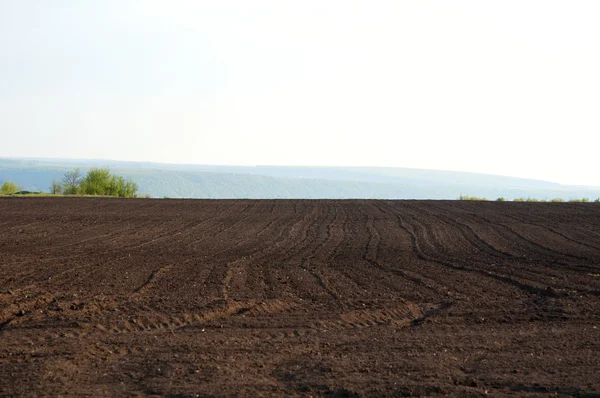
[56, 187]
[9, 188]
[99, 181]
[96, 182]
[71, 182]
[129, 189]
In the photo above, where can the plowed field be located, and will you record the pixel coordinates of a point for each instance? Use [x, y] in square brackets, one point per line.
[277, 297]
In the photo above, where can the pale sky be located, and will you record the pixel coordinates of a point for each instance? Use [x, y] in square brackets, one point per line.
[501, 87]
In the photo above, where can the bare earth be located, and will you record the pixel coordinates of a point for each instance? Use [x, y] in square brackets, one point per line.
[277, 297]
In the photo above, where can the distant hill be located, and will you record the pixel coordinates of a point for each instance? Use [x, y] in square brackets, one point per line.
[200, 181]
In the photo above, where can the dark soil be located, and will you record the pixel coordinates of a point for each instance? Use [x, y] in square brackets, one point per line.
[278, 297]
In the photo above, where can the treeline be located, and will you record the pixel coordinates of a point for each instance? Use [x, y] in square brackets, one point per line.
[97, 181]
[529, 199]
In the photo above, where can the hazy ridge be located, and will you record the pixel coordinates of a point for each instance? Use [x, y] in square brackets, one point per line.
[200, 181]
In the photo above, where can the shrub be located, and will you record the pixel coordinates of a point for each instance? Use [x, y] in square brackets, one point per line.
[557, 200]
[9, 188]
[467, 197]
[582, 200]
[501, 199]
